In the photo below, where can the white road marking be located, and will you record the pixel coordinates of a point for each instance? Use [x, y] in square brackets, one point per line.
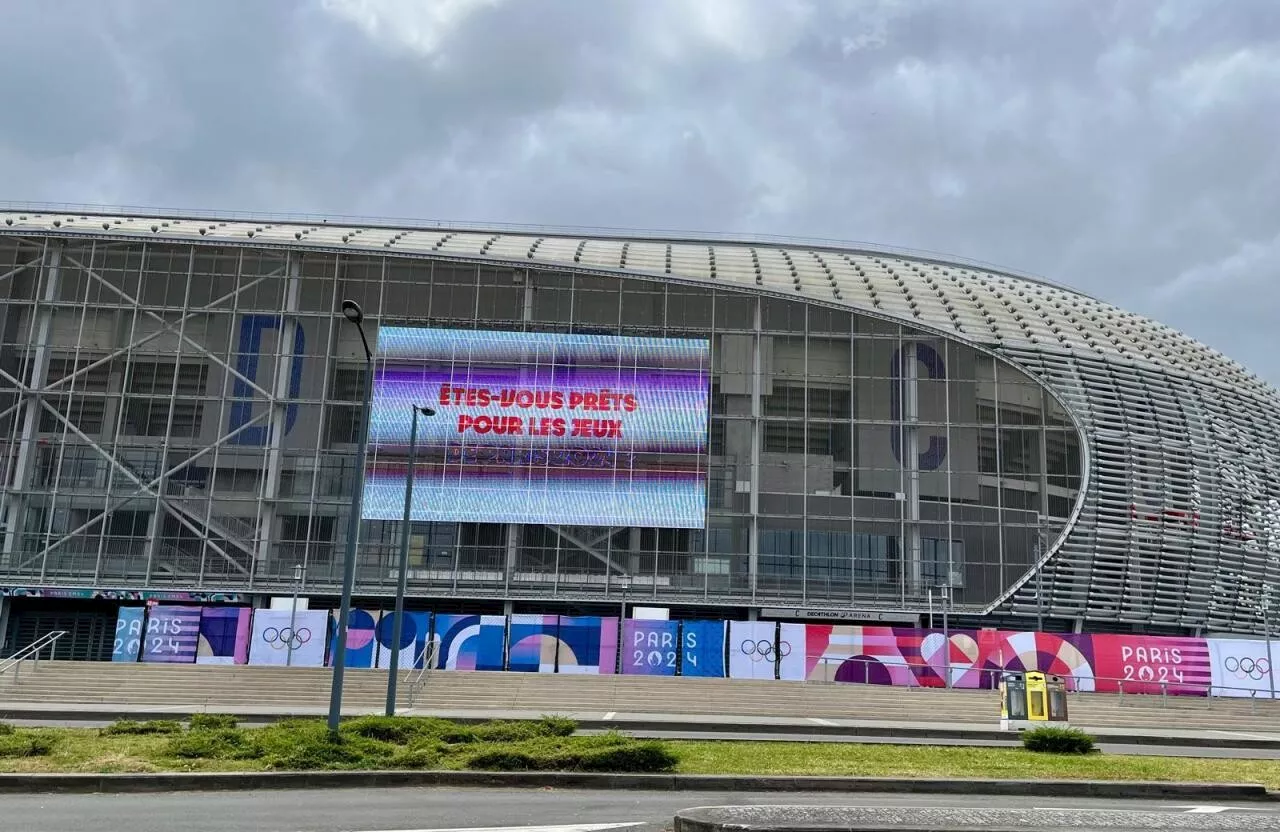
[610, 715]
[575, 827]
[1073, 809]
[1206, 810]
[821, 721]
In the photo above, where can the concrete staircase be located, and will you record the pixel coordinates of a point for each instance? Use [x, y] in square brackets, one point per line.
[306, 690]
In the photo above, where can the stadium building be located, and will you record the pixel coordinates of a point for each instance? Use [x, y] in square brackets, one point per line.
[882, 434]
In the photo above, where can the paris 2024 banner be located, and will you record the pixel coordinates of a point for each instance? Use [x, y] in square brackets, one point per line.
[592, 430]
[1090, 662]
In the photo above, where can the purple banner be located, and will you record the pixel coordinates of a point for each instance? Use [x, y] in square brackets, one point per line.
[173, 634]
[224, 636]
[540, 428]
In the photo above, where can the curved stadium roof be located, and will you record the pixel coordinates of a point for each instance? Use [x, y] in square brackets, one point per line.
[978, 304]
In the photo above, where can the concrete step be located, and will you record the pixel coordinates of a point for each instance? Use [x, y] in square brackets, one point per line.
[308, 688]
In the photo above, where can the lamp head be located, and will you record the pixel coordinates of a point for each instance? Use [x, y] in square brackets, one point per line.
[426, 411]
[352, 312]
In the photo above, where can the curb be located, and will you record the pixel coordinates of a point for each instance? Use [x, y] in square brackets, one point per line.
[254, 781]
[710, 729]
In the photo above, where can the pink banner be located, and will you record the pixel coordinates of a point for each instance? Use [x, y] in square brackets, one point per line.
[974, 658]
[1152, 664]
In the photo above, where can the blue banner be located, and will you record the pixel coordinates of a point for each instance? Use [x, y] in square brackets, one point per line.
[650, 648]
[702, 648]
[128, 641]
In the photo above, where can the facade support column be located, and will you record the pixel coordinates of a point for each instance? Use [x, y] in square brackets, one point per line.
[911, 464]
[277, 422]
[757, 379]
[513, 549]
[156, 527]
[6, 606]
[513, 529]
[112, 413]
[42, 316]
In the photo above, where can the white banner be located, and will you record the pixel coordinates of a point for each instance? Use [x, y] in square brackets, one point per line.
[791, 652]
[272, 637]
[413, 635]
[753, 649]
[1242, 667]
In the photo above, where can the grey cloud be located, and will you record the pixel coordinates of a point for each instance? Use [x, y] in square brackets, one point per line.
[1127, 149]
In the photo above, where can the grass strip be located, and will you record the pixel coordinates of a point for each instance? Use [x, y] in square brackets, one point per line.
[409, 743]
[366, 743]
[922, 761]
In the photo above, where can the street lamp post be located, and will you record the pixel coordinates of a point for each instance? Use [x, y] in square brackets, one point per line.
[945, 590]
[352, 312]
[1040, 549]
[298, 571]
[1265, 605]
[624, 583]
[397, 629]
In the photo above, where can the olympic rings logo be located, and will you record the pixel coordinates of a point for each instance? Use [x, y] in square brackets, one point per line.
[764, 651]
[282, 637]
[1247, 668]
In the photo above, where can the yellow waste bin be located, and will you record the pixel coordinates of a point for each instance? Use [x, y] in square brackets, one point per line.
[1032, 700]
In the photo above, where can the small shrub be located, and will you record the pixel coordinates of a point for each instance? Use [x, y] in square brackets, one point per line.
[609, 752]
[313, 753]
[505, 759]
[25, 745]
[223, 744]
[1055, 740]
[213, 722]
[397, 730]
[5, 729]
[509, 730]
[155, 726]
[504, 731]
[459, 735]
[305, 745]
[557, 726]
[635, 757]
[416, 757]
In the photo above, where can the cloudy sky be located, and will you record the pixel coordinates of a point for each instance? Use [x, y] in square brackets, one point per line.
[1130, 148]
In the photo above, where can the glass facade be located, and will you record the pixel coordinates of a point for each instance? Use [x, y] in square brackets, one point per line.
[197, 408]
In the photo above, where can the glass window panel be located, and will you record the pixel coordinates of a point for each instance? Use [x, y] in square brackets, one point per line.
[688, 308]
[735, 311]
[823, 319]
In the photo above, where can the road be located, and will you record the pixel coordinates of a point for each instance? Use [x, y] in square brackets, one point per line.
[355, 810]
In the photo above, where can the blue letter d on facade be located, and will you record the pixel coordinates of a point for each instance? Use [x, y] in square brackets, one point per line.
[247, 354]
[931, 457]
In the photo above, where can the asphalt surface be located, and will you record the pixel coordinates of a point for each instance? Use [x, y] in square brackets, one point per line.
[352, 810]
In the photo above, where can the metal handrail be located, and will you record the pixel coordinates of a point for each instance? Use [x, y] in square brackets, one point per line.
[31, 651]
[419, 679]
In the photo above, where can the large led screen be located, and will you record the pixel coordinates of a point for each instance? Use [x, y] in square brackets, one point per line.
[592, 430]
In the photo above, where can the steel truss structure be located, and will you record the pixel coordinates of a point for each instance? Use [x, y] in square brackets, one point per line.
[178, 404]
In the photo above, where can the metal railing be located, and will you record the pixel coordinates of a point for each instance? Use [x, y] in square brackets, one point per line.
[1139, 692]
[32, 651]
[418, 679]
